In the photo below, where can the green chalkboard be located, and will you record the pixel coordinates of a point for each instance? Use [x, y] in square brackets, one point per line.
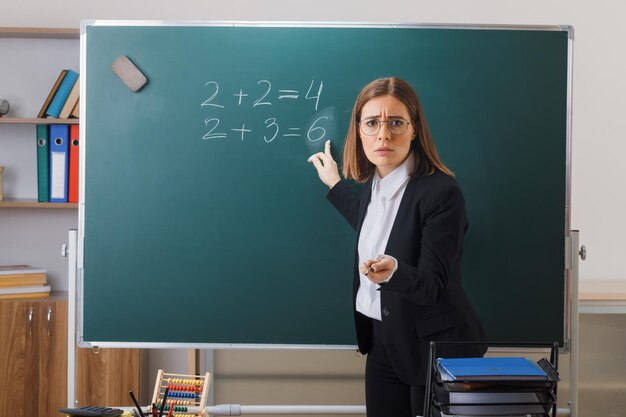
[204, 224]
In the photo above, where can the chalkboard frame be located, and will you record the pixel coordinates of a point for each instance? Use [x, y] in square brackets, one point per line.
[568, 275]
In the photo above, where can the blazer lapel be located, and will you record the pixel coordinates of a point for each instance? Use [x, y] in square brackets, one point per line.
[365, 200]
[404, 212]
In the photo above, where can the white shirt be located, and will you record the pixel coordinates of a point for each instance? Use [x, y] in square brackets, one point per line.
[381, 213]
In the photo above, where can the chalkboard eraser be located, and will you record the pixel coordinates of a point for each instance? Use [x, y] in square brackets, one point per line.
[129, 73]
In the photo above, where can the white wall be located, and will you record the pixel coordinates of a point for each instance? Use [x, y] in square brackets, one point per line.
[598, 180]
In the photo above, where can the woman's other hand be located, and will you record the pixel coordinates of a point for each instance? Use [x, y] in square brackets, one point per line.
[326, 166]
[380, 269]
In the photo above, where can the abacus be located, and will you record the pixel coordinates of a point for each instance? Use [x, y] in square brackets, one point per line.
[187, 394]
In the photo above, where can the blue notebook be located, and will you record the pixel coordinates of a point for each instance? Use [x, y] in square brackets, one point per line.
[62, 93]
[485, 369]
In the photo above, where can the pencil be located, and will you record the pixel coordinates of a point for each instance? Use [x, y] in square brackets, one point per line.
[164, 401]
[132, 397]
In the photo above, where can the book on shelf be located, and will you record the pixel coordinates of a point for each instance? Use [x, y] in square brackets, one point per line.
[59, 162]
[76, 110]
[71, 101]
[43, 163]
[20, 270]
[72, 193]
[25, 292]
[23, 279]
[53, 91]
[490, 369]
[21, 275]
[56, 105]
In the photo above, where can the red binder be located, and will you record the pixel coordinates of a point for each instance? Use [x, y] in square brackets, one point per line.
[72, 196]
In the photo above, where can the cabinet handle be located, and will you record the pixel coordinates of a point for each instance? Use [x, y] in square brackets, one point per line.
[49, 319]
[30, 321]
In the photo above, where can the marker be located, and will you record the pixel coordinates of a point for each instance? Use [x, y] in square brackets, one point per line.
[132, 397]
[371, 267]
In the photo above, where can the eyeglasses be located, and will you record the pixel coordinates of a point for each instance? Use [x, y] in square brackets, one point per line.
[397, 126]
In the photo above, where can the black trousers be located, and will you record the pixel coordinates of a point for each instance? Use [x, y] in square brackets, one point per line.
[385, 394]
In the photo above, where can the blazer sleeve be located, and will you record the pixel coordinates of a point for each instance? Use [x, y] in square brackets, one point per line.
[345, 201]
[443, 230]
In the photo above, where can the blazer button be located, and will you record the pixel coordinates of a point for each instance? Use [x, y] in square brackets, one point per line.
[386, 312]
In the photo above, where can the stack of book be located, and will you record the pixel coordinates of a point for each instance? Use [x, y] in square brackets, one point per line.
[23, 281]
[63, 98]
[58, 144]
[494, 387]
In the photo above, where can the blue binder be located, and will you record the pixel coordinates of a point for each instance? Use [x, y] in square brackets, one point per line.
[59, 162]
[54, 109]
[483, 369]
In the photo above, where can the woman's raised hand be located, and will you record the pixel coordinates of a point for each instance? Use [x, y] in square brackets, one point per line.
[326, 166]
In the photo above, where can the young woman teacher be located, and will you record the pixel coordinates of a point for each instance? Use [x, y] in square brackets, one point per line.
[410, 221]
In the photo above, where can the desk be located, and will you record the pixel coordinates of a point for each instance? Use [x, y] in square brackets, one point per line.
[601, 297]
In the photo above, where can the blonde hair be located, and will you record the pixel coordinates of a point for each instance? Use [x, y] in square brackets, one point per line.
[356, 166]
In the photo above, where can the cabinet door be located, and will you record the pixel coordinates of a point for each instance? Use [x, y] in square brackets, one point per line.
[18, 359]
[104, 376]
[52, 356]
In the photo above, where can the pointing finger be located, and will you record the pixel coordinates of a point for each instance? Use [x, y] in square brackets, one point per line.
[327, 148]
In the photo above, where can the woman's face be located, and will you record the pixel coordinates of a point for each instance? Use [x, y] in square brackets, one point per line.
[386, 150]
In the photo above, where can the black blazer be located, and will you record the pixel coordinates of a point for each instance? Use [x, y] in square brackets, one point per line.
[424, 300]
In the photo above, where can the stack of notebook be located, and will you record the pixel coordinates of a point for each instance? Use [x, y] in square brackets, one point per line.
[495, 387]
[23, 281]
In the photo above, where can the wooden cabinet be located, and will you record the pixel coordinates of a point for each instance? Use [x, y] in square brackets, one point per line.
[104, 376]
[33, 356]
[52, 327]
[33, 362]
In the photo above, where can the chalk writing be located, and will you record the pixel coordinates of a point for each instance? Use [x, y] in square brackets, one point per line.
[264, 96]
[208, 101]
[210, 134]
[258, 102]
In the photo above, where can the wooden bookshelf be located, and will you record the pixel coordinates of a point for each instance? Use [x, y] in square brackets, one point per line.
[61, 34]
[33, 203]
[45, 33]
[36, 121]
